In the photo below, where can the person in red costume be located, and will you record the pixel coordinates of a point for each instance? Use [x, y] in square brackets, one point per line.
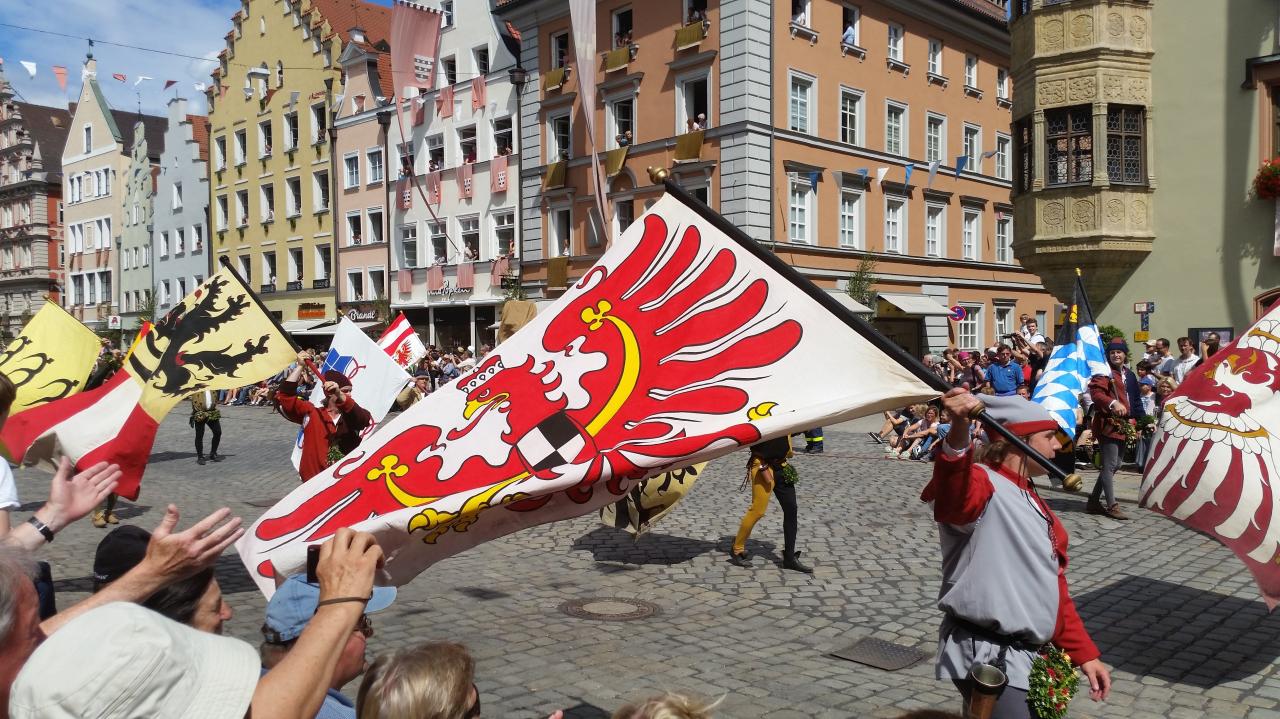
[330, 431]
[1004, 555]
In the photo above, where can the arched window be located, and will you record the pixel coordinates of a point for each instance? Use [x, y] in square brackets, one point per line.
[1265, 302]
[279, 74]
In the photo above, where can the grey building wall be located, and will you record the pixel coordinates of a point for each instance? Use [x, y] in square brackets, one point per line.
[531, 165]
[135, 276]
[746, 114]
[181, 165]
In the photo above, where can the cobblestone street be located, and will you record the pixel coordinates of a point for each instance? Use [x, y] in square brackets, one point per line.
[1176, 616]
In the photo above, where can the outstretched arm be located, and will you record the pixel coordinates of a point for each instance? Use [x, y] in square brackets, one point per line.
[70, 498]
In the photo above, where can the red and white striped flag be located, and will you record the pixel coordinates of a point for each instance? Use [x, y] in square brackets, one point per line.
[405, 190]
[466, 275]
[400, 340]
[433, 187]
[444, 101]
[478, 94]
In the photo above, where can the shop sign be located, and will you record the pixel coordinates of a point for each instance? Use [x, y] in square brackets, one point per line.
[312, 311]
[450, 289]
[356, 315]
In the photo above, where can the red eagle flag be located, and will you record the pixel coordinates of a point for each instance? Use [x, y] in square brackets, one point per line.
[682, 344]
[218, 337]
[401, 341]
[1213, 467]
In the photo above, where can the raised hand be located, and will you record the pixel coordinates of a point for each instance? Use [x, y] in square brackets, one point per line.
[173, 556]
[72, 497]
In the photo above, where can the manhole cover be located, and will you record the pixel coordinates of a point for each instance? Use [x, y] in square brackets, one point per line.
[609, 609]
[880, 654]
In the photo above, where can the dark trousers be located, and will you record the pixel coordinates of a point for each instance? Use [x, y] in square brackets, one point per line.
[813, 436]
[215, 426]
[786, 496]
[1112, 453]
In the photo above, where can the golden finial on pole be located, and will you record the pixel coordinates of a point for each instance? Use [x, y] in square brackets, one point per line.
[658, 175]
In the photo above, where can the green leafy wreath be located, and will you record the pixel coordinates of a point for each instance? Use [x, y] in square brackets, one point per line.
[1052, 684]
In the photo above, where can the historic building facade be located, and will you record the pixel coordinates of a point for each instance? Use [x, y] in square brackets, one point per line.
[31, 141]
[179, 253]
[139, 190]
[814, 130]
[1137, 155]
[272, 175]
[455, 237]
[95, 163]
[362, 203]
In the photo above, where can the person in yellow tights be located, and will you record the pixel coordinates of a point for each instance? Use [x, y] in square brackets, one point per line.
[770, 473]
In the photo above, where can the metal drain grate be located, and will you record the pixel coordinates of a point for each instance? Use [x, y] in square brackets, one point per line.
[880, 654]
[610, 609]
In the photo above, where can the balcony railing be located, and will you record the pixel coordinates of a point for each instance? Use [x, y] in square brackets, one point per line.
[294, 286]
[691, 35]
[555, 175]
[553, 79]
[267, 290]
[320, 284]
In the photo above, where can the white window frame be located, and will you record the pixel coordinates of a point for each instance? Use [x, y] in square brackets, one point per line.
[857, 23]
[903, 132]
[352, 293]
[971, 325]
[322, 263]
[941, 153]
[463, 228]
[894, 42]
[1004, 145]
[377, 290]
[317, 131]
[1004, 240]
[801, 214]
[348, 160]
[402, 242]
[682, 99]
[223, 209]
[974, 151]
[1002, 83]
[611, 119]
[971, 234]
[971, 70]
[937, 245]
[898, 246]
[293, 195]
[373, 226]
[219, 153]
[375, 177]
[497, 227]
[1002, 315]
[555, 241]
[241, 140]
[860, 124]
[555, 152]
[347, 228]
[319, 190]
[852, 225]
[935, 56]
[810, 93]
[264, 148]
[437, 230]
[267, 211]
[289, 134]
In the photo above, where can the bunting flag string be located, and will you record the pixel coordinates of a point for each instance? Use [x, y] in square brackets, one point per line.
[933, 171]
[60, 72]
[880, 173]
[29, 66]
[961, 161]
[911, 166]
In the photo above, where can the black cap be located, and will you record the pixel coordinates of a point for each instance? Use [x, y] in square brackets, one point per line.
[118, 552]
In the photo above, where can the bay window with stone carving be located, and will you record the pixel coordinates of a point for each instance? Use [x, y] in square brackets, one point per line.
[1125, 145]
[1068, 145]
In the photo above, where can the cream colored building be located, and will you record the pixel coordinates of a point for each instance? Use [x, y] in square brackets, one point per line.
[272, 171]
[95, 163]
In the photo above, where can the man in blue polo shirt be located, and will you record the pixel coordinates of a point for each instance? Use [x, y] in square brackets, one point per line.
[1004, 374]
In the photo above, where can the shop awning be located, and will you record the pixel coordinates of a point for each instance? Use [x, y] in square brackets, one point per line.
[329, 328]
[293, 327]
[916, 304]
[855, 306]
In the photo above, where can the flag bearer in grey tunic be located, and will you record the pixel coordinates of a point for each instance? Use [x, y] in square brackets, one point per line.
[1004, 555]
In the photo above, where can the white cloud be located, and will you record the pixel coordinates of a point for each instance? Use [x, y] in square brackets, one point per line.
[189, 27]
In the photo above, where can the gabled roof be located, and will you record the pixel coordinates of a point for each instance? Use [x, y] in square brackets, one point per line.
[200, 133]
[49, 127]
[346, 14]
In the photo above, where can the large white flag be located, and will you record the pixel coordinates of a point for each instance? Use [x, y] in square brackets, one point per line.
[375, 377]
[685, 342]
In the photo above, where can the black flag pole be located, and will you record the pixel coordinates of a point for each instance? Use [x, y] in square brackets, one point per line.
[859, 325]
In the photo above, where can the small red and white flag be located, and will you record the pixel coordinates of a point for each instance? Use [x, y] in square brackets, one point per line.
[406, 192]
[400, 340]
[466, 175]
[433, 187]
[479, 96]
[444, 101]
[498, 174]
[119, 76]
[169, 83]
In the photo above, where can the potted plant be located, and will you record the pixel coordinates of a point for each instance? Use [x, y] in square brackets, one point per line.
[1267, 182]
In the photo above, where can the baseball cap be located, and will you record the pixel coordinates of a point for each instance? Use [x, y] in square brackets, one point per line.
[1148, 380]
[121, 661]
[121, 550]
[295, 602]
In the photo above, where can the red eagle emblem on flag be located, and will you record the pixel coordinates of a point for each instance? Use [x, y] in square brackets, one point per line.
[1213, 466]
[639, 354]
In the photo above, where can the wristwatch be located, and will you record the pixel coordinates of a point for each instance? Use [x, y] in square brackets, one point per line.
[42, 528]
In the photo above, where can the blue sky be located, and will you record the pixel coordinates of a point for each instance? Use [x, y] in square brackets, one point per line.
[189, 27]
